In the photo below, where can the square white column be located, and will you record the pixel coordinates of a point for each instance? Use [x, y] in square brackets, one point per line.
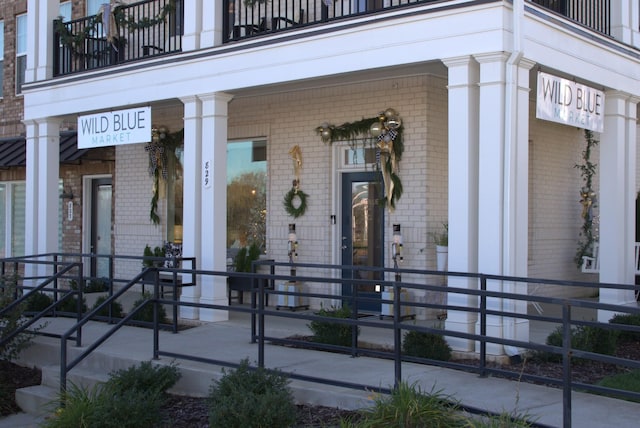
[213, 226]
[191, 237]
[42, 192]
[463, 192]
[617, 198]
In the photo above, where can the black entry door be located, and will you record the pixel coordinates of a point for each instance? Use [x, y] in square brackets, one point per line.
[362, 235]
[101, 220]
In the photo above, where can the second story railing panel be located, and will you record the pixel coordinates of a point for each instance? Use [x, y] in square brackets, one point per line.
[126, 33]
[595, 14]
[246, 18]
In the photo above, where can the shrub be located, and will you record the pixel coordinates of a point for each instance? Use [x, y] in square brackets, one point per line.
[426, 345]
[332, 333]
[629, 320]
[407, 406]
[96, 286]
[146, 313]
[71, 305]
[116, 308]
[39, 301]
[131, 397]
[251, 398]
[144, 377]
[11, 321]
[585, 338]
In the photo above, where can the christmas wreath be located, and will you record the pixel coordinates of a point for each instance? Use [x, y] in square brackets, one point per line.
[297, 209]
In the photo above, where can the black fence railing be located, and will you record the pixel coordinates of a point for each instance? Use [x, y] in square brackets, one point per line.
[388, 308]
[127, 33]
[594, 14]
[152, 28]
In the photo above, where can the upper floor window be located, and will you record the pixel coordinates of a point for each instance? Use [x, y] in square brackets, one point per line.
[21, 51]
[65, 11]
[93, 6]
[1, 57]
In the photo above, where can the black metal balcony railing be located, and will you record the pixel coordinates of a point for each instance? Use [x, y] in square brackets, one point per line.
[595, 14]
[154, 27]
[126, 33]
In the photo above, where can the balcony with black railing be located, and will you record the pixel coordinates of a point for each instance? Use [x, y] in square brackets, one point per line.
[152, 28]
[127, 33]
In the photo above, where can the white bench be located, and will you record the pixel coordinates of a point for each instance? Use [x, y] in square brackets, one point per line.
[591, 264]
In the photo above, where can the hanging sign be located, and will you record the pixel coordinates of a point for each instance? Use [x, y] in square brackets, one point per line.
[570, 103]
[114, 128]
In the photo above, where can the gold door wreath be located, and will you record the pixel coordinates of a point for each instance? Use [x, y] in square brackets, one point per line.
[297, 208]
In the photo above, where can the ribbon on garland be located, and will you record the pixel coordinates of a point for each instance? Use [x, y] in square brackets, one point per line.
[389, 165]
[296, 155]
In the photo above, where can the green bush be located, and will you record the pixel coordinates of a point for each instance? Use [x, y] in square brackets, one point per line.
[116, 308]
[426, 345]
[12, 320]
[131, 397]
[332, 333]
[251, 398]
[585, 338]
[146, 313]
[144, 377]
[70, 305]
[39, 301]
[630, 320]
[408, 406]
[96, 286]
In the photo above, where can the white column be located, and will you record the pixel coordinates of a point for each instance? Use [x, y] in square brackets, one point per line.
[214, 202]
[623, 20]
[503, 188]
[192, 10]
[42, 193]
[39, 47]
[617, 198]
[516, 197]
[191, 238]
[211, 24]
[463, 192]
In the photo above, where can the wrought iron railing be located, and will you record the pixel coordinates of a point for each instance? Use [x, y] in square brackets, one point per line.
[127, 33]
[151, 28]
[594, 14]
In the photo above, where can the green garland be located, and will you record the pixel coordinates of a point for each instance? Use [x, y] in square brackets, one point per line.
[588, 172]
[167, 147]
[288, 202]
[76, 42]
[360, 130]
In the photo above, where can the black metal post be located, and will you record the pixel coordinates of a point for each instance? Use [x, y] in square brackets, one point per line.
[566, 365]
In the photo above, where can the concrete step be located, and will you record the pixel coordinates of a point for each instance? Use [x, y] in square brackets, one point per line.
[82, 377]
[37, 400]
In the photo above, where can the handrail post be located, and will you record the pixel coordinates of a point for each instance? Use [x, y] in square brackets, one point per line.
[253, 303]
[260, 322]
[156, 288]
[566, 365]
[397, 342]
[483, 326]
[80, 296]
[175, 298]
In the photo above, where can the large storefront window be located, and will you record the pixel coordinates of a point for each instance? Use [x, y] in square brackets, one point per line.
[246, 193]
[12, 226]
[175, 189]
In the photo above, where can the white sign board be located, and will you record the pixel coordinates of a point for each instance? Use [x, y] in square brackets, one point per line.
[564, 101]
[114, 128]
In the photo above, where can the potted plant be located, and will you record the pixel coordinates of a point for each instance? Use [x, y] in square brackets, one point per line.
[441, 239]
[151, 256]
[242, 263]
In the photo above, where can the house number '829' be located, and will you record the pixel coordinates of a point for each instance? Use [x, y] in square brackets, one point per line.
[206, 174]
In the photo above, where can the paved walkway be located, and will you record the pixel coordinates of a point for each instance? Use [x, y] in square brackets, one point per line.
[229, 340]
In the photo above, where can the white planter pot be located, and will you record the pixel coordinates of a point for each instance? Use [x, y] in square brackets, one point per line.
[442, 254]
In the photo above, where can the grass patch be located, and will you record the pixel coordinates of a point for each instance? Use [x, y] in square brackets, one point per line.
[624, 381]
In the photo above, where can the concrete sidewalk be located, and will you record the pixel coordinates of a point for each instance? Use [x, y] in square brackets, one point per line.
[230, 341]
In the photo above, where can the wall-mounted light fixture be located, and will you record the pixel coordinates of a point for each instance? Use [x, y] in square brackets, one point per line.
[66, 194]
